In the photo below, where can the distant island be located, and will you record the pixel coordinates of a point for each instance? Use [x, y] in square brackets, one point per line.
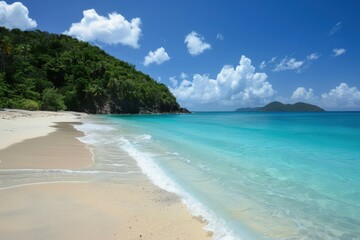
[43, 71]
[281, 107]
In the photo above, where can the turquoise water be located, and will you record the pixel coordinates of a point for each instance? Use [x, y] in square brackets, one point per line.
[250, 175]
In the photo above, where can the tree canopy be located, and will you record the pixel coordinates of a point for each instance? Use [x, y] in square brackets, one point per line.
[46, 71]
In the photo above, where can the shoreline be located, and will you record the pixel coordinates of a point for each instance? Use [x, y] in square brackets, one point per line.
[47, 152]
[80, 209]
[18, 125]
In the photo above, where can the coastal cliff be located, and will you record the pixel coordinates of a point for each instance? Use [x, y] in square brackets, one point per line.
[54, 72]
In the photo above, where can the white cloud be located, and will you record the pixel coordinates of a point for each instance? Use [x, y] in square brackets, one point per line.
[288, 64]
[272, 60]
[183, 75]
[195, 43]
[342, 96]
[113, 29]
[302, 94]
[232, 86]
[312, 56]
[219, 36]
[173, 81]
[335, 29]
[339, 51]
[158, 57]
[262, 65]
[15, 15]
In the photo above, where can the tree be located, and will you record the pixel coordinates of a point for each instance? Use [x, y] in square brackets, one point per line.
[5, 47]
[52, 100]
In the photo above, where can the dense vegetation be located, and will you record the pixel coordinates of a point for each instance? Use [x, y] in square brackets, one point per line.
[280, 107]
[46, 71]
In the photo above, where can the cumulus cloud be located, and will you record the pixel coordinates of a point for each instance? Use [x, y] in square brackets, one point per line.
[183, 75]
[113, 29]
[342, 96]
[195, 43]
[232, 86]
[338, 51]
[288, 64]
[158, 57]
[173, 81]
[335, 29]
[302, 94]
[15, 15]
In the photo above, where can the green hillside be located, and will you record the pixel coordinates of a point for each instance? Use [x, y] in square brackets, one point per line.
[297, 107]
[46, 71]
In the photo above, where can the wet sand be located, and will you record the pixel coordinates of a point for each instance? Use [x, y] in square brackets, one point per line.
[58, 150]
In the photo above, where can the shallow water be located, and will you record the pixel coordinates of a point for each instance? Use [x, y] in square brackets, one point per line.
[254, 175]
[250, 175]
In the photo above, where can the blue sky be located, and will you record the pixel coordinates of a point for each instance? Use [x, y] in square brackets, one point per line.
[220, 55]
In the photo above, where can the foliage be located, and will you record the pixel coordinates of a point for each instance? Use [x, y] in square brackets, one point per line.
[23, 103]
[52, 100]
[88, 79]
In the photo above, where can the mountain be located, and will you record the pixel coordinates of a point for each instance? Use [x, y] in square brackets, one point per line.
[297, 107]
[280, 107]
[46, 71]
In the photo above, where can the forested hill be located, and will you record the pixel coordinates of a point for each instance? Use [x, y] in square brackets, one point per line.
[297, 107]
[280, 107]
[46, 71]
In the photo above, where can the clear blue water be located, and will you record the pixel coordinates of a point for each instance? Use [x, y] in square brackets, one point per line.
[251, 175]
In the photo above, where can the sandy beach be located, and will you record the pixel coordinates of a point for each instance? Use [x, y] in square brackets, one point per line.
[134, 209]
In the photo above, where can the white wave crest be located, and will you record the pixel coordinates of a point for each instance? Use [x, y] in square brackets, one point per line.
[143, 138]
[91, 127]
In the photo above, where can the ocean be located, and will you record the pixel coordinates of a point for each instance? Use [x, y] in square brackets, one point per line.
[249, 175]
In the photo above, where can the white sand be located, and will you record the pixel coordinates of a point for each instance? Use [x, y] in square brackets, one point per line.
[95, 211]
[18, 125]
[60, 149]
[70, 210]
